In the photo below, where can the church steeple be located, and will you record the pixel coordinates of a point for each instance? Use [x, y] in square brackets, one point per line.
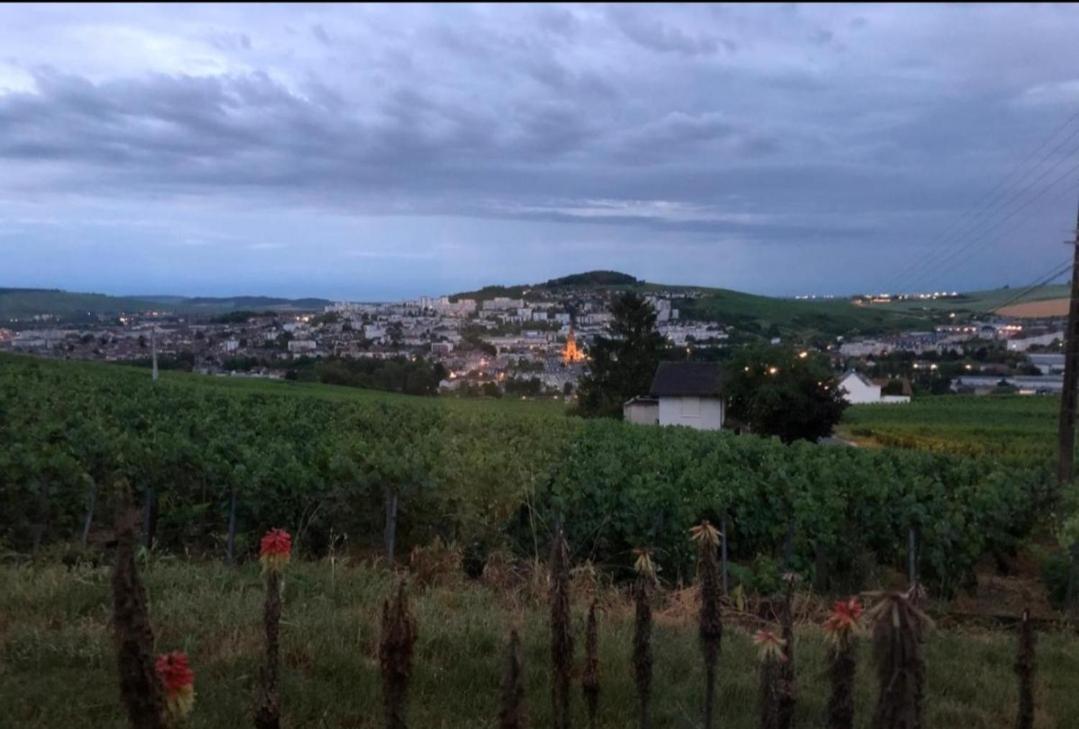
[571, 354]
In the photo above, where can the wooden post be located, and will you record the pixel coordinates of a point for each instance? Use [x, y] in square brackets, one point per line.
[390, 534]
[1066, 423]
[89, 521]
[149, 517]
[788, 546]
[723, 553]
[153, 351]
[912, 557]
[230, 546]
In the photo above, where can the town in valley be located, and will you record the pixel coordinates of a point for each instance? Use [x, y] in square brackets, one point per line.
[532, 341]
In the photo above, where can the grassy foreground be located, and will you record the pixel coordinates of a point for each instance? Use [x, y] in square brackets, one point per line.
[57, 667]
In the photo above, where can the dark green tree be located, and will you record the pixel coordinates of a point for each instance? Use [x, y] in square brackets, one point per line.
[621, 364]
[776, 391]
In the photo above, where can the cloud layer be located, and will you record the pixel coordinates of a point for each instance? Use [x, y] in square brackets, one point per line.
[378, 151]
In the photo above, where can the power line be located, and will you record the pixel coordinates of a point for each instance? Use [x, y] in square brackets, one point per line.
[952, 232]
[1001, 186]
[1057, 271]
[940, 264]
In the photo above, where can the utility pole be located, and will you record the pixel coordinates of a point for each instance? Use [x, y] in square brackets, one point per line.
[1066, 424]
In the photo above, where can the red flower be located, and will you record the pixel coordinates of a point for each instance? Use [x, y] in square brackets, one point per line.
[275, 549]
[844, 618]
[178, 680]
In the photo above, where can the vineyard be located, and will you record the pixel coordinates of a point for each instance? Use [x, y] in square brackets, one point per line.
[1013, 428]
[214, 465]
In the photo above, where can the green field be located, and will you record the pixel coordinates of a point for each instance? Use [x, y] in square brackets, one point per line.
[58, 668]
[1013, 428]
[768, 315]
[974, 302]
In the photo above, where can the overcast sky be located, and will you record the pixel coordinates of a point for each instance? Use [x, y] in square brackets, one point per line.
[372, 152]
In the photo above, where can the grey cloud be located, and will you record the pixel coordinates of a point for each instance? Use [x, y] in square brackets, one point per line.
[229, 41]
[320, 34]
[652, 33]
[863, 126]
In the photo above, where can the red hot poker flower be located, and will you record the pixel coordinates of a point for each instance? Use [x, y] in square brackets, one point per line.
[275, 549]
[178, 680]
[844, 618]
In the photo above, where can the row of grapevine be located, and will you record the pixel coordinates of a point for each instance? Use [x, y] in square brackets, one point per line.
[816, 506]
[214, 467]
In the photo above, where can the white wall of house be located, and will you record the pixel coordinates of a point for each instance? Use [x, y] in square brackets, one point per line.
[641, 413]
[858, 392]
[702, 413]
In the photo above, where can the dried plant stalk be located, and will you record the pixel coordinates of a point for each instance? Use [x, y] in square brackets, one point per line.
[268, 711]
[898, 630]
[590, 677]
[769, 694]
[1025, 667]
[395, 657]
[841, 670]
[561, 635]
[139, 684]
[787, 690]
[841, 627]
[772, 651]
[511, 715]
[711, 621]
[642, 650]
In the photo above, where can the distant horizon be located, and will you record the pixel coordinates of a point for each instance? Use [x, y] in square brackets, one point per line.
[367, 299]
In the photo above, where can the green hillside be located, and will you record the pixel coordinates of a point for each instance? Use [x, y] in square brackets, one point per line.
[19, 304]
[976, 302]
[752, 313]
[25, 303]
[763, 315]
[777, 317]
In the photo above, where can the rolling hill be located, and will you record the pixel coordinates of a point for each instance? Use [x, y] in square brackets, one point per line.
[19, 304]
[763, 315]
[751, 313]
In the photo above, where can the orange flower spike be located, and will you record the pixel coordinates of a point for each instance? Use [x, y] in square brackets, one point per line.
[275, 550]
[845, 619]
[770, 646]
[178, 681]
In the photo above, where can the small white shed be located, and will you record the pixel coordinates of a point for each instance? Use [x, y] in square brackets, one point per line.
[690, 394]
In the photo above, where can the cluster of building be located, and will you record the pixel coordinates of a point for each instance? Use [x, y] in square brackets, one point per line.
[538, 336]
[541, 335]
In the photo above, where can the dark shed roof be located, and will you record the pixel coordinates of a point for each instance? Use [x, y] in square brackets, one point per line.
[687, 379]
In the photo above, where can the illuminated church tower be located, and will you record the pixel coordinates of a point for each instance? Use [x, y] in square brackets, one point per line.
[571, 354]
